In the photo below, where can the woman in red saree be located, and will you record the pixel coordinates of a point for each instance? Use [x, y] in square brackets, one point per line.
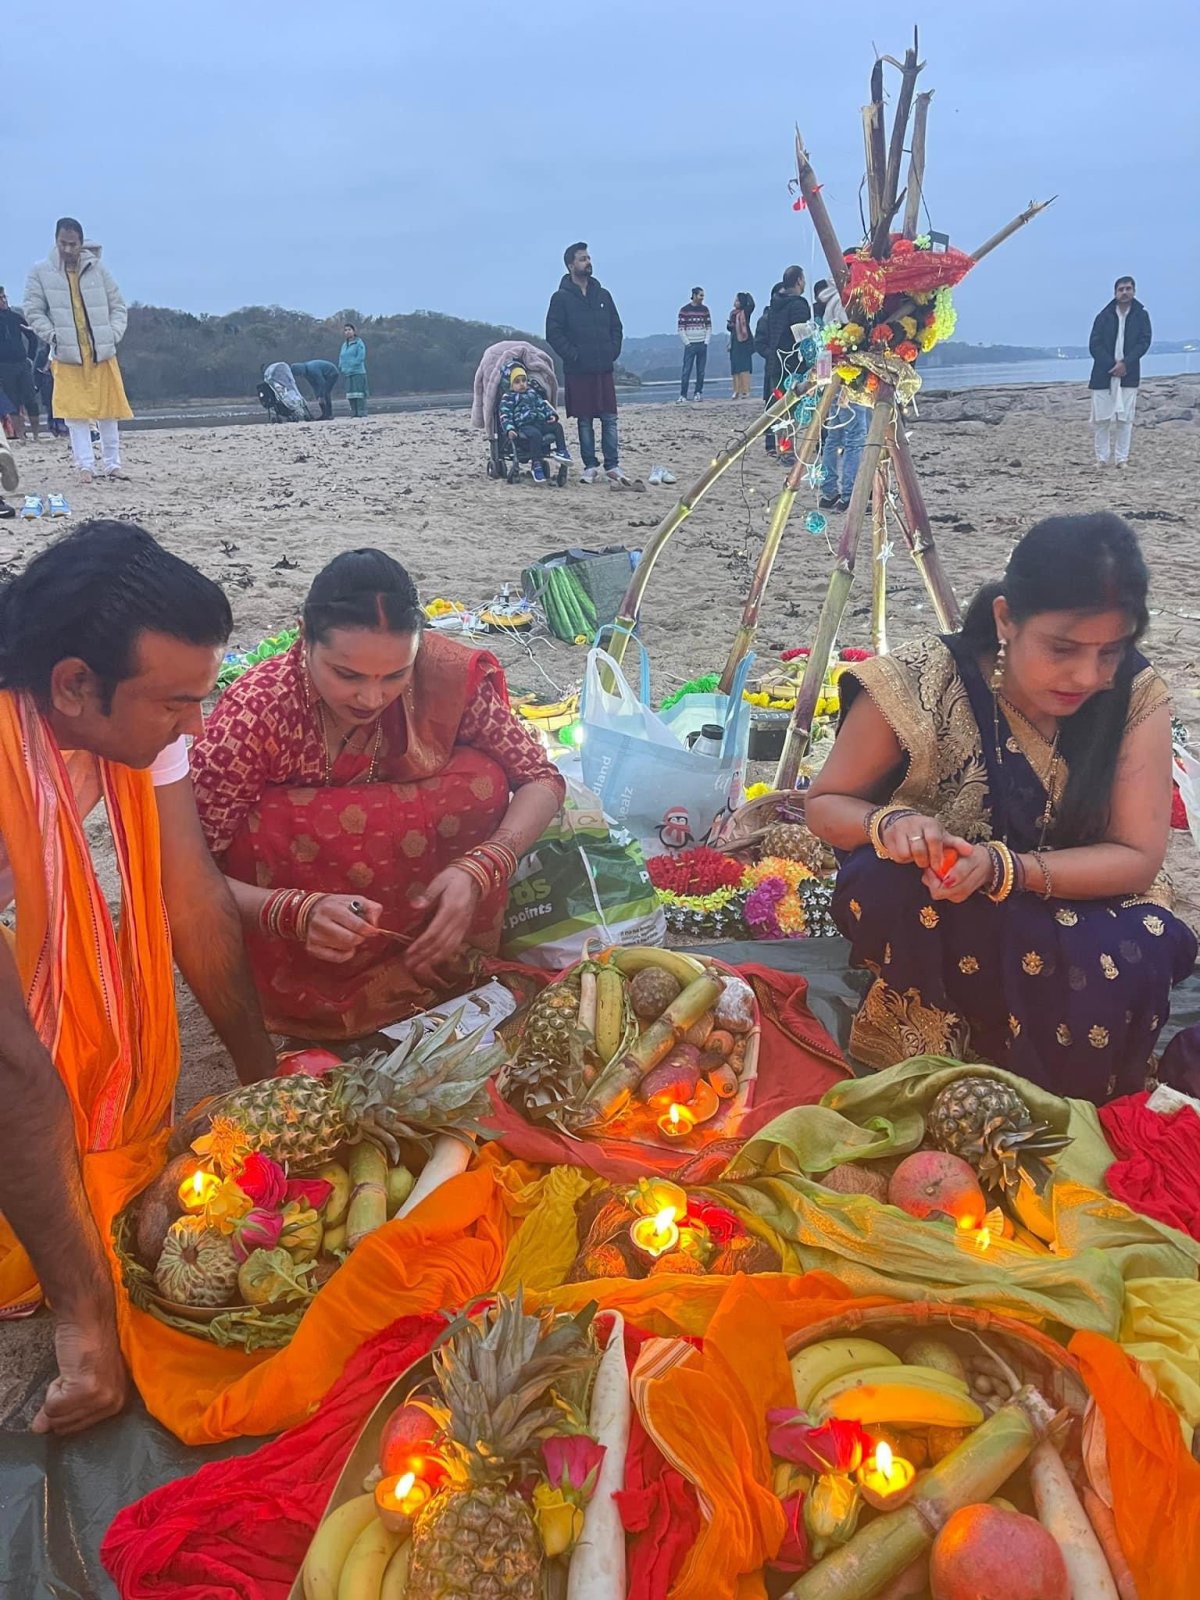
[368, 794]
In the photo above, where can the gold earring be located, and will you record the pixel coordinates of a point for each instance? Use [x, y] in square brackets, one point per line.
[998, 669]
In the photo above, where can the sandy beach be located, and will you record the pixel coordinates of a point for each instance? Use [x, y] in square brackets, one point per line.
[262, 508]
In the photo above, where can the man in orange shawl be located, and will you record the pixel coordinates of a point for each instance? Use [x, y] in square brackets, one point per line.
[108, 646]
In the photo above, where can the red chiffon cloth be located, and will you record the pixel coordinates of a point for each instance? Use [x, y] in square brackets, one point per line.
[384, 841]
[1157, 1170]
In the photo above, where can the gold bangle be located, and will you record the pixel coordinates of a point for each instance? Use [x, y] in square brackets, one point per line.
[1007, 874]
[1047, 880]
[878, 820]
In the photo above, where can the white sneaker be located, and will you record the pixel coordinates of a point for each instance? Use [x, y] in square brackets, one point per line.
[654, 475]
[682, 401]
[589, 474]
[619, 475]
[665, 475]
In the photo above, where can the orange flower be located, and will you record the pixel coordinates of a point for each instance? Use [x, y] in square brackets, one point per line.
[907, 351]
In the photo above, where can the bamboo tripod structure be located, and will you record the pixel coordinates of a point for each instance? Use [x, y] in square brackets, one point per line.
[886, 457]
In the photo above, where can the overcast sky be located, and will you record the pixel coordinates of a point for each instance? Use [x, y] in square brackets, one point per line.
[395, 156]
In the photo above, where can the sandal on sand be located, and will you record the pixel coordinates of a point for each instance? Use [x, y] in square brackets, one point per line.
[9, 476]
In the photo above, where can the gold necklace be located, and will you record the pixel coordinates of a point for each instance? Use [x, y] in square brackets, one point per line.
[1047, 815]
[372, 768]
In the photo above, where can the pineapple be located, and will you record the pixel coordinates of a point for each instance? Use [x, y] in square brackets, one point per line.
[427, 1084]
[987, 1123]
[794, 842]
[551, 1022]
[501, 1377]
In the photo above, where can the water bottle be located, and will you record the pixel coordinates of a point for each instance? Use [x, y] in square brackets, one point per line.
[708, 741]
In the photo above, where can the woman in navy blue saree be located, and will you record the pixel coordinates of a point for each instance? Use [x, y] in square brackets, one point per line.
[1000, 802]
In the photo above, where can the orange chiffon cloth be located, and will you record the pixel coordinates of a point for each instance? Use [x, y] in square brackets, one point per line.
[103, 1005]
[383, 841]
[1155, 1481]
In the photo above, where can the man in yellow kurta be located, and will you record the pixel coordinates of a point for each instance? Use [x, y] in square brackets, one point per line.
[73, 303]
[108, 646]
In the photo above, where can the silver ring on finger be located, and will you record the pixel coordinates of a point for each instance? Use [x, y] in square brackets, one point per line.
[357, 907]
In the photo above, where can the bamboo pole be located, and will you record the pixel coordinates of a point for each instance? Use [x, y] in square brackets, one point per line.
[915, 187]
[879, 638]
[1033, 209]
[809, 446]
[817, 210]
[841, 581]
[919, 533]
[631, 604]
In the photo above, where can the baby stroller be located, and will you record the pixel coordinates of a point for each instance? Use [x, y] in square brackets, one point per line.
[279, 396]
[507, 462]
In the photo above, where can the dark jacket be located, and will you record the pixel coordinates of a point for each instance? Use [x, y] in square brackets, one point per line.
[583, 330]
[1103, 345]
[773, 335]
[17, 341]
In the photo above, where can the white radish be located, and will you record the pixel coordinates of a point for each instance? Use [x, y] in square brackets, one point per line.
[448, 1158]
[598, 1562]
[1062, 1515]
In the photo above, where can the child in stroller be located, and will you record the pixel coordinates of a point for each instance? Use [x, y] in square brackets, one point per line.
[279, 396]
[526, 424]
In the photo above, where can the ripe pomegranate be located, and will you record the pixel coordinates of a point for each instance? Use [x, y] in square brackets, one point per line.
[931, 1183]
[984, 1553]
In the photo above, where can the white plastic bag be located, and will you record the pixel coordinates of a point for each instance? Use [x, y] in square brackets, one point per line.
[1187, 776]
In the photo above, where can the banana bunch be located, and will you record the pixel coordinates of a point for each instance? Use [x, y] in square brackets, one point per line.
[859, 1380]
[354, 1557]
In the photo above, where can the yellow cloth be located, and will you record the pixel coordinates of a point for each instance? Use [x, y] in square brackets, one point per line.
[93, 391]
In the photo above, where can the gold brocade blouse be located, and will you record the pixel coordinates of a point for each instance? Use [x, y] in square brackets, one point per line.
[918, 692]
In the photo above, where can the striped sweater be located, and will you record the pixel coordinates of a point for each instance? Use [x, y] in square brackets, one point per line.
[695, 324]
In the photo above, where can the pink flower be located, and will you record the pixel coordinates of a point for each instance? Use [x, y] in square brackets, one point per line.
[573, 1464]
[794, 1554]
[833, 1446]
[263, 1180]
[309, 1191]
[257, 1230]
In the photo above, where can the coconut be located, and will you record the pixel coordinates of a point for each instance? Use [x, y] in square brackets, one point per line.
[931, 1183]
[852, 1178]
[925, 1351]
[983, 1550]
[651, 991]
[157, 1207]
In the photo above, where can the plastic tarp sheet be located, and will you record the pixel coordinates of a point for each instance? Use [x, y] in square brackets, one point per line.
[57, 1497]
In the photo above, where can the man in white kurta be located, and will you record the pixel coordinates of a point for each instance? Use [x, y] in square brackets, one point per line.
[1120, 338]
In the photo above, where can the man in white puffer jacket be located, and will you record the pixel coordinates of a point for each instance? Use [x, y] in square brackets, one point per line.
[83, 335]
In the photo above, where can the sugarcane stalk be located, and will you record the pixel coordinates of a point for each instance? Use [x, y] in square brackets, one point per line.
[908, 83]
[819, 213]
[615, 1086]
[972, 1473]
[915, 187]
[879, 640]
[841, 581]
[368, 1194]
[805, 455]
[873, 116]
[918, 531]
[631, 604]
[1033, 209]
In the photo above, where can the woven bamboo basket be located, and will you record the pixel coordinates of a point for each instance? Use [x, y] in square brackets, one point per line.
[1034, 1357]
[742, 832]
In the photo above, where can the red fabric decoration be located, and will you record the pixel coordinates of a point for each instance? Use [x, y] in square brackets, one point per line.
[1179, 817]
[797, 1063]
[1158, 1167]
[238, 1530]
[658, 1507]
[905, 273]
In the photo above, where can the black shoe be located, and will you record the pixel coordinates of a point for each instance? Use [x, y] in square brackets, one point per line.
[6, 510]
[828, 502]
[842, 505]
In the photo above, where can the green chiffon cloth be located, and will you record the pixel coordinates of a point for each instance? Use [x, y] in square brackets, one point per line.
[1100, 1244]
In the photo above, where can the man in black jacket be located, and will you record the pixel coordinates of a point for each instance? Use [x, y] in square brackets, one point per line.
[584, 331]
[774, 339]
[1120, 338]
[18, 343]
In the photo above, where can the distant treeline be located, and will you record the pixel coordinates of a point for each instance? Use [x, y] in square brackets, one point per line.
[169, 356]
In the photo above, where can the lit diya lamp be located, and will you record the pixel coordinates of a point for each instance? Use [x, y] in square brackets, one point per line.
[399, 1498]
[885, 1480]
[676, 1122]
[195, 1192]
[656, 1235]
